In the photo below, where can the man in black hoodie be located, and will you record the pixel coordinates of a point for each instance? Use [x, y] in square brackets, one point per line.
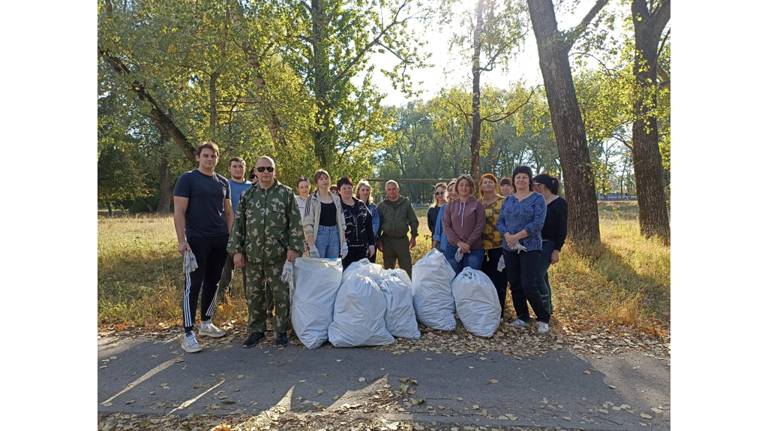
[397, 215]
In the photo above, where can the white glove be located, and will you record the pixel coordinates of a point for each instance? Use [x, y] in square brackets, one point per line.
[287, 275]
[519, 247]
[371, 250]
[314, 252]
[500, 267]
[458, 256]
[344, 250]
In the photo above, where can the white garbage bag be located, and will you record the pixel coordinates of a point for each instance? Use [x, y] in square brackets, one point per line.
[432, 299]
[362, 267]
[397, 272]
[477, 302]
[358, 315]
[401, 316]
[316, 283]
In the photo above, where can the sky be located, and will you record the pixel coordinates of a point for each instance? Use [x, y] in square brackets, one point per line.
[449, 68]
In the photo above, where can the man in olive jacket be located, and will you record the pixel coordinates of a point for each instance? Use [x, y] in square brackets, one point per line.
[397, 215]
[266, 234]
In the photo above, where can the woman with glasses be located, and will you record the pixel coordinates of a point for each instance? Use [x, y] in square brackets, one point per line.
[364, 194]
[522, 217]
[435, 207]
[553, 233]
[323, 220]
[440, 239]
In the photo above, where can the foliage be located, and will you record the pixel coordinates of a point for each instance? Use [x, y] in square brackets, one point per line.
[246, 73]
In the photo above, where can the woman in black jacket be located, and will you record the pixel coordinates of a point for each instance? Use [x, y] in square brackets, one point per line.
[359, 224]
[554, 231]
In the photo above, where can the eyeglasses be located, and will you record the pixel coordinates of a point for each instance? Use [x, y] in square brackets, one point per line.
[438, 193]
[265, 168]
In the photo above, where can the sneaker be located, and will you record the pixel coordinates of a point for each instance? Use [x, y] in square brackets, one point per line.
[542, 328]
[253, 339]
[517, 323]
[281, 339]
[210, 330]
[189, 343]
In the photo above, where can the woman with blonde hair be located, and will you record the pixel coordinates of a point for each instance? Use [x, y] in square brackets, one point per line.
[363, 192]
[463, 222]
[440, 239]
[438, 203]
[492, 201]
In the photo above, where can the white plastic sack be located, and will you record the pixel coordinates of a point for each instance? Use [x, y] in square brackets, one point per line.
[362, 267]
[316, 283]
[358, 315]
[477, 302]
[432, 276]
[401, 316]
[396, 272]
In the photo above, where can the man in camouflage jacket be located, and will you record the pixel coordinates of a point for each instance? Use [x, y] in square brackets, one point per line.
[266, 233]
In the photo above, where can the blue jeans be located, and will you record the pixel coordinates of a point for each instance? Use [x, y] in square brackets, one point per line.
[544, 287]
[327, 242]
[473, 259]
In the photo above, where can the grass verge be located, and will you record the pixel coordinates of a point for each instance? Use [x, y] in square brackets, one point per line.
[626, 285]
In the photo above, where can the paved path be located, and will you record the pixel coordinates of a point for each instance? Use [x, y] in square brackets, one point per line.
[628, 391]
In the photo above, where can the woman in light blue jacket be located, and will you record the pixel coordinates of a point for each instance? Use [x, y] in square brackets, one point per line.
[520, 223]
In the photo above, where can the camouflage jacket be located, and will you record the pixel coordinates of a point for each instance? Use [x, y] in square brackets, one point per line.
[267, 224]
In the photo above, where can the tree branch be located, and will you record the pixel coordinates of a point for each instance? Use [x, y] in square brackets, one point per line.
[660, 16]
[512, 112]
[162, 120]
[663, 41]
[573, 34]
[343, 74]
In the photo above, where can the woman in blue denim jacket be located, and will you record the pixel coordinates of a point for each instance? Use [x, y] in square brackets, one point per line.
[521, 220]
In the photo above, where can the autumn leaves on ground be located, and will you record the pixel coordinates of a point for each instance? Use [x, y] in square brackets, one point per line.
[625, 288]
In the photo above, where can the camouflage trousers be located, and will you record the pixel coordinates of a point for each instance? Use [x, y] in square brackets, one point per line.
[264, 281]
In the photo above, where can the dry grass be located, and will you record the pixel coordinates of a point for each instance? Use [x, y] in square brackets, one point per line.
[140, 280]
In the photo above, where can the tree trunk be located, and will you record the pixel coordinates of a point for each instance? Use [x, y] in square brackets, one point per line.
[323, 136]
[649, 174]
[568, 125]
[166, 186]
[474, 143]
[212, 97]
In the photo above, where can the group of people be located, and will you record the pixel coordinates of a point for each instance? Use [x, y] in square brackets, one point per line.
[512, 230]
[261, 226]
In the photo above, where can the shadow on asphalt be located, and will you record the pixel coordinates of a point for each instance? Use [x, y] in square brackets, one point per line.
[558, 389]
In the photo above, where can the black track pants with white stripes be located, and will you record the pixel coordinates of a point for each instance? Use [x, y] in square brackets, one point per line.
[211, 253]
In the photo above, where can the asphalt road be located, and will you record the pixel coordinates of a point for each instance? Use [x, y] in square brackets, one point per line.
[628, 391]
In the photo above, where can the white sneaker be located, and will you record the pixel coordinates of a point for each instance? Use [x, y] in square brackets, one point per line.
[189, 343]
[210, 330]
[542, 328]
[517, 323]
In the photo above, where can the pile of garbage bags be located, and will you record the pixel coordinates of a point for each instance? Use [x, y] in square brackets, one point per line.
[366, 305]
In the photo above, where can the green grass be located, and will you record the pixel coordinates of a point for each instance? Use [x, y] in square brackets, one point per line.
[140, 279]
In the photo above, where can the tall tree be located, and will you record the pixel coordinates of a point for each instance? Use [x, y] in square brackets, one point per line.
[336, 41]
[579, 180]
[649, 22]
[490, 35]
